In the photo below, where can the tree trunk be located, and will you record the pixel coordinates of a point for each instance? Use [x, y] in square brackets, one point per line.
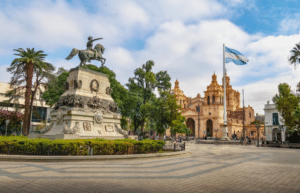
[161, 136]
[29, 74]
[31, 106]
[142, 127]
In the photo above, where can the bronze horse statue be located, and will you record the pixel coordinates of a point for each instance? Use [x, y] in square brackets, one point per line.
[88, 55]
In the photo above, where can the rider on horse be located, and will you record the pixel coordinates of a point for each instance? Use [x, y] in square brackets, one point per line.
[89, 45]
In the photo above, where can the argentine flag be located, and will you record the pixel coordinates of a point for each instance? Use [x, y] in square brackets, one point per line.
[235, 56]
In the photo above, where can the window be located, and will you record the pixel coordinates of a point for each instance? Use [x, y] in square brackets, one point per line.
[198, 109]
[250, 115]
[39, 114]
[275, 119]
[213, 99]
[208, 100]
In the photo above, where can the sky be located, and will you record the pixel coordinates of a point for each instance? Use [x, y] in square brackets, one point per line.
[184, 37]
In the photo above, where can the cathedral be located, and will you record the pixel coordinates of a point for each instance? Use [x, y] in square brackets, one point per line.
[205, 115]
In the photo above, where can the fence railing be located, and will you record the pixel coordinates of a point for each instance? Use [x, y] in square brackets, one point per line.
[174, 147]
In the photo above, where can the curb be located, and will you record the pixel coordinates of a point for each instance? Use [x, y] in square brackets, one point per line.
[26, 158]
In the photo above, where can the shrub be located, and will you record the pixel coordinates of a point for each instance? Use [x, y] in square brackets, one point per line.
[23, 145]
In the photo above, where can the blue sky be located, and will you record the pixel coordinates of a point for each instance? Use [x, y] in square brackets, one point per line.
[184, 37]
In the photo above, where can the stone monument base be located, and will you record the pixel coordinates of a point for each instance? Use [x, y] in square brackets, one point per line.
[85, 110]
[225, 131]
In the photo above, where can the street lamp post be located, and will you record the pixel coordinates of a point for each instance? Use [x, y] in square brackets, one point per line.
[281, 129]
[257, 125]
[198, 109]
[22, 127]
[6, 122]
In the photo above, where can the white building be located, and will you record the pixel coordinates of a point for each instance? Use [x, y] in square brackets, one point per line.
[274, 125]
[41, 111]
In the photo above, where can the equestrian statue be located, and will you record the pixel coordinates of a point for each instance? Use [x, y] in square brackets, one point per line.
[90, 53]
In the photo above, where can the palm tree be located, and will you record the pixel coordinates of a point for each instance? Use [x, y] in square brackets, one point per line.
[28, 61]
[295, 57]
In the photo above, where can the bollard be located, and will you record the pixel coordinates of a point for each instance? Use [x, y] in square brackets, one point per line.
[89, 150]
[174, 146]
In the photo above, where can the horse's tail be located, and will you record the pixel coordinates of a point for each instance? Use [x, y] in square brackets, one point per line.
[73, 53]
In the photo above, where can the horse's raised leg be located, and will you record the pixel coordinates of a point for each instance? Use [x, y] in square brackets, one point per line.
[102, 60]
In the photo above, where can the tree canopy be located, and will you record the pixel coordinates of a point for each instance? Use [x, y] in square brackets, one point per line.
[56, 87]
[294, 58]
[287, 104]
[28, 63]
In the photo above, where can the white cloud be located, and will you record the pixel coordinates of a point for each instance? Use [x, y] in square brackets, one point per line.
[130, 13]
[290, 25]
[120, 57]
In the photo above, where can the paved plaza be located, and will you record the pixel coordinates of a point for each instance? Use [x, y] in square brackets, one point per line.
[209, 168]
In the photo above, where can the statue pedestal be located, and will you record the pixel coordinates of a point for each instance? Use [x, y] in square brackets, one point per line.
[85, 110]
[225, 131]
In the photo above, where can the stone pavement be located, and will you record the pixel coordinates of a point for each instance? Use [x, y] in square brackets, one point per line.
[208, 168]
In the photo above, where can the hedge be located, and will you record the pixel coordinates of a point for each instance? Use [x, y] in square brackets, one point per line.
[24, 146]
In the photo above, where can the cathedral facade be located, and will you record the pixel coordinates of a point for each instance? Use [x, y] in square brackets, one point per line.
[205, 115]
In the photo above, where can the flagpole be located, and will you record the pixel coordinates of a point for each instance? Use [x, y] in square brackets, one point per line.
[243, 115]
[225, 131]
[224, 81]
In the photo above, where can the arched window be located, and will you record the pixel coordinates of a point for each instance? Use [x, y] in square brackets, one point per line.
[208, 100]
[213, 101]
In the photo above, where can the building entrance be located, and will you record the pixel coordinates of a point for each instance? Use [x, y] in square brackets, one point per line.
[190, 123]
[209, 128]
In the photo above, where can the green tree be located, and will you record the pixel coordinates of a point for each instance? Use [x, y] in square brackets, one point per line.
[166, 114]
[294, 59]
[178, 125]
[286, 103]
[296, 116]
[142, 84]
[142, 87]
[56, 87]
[27, 62]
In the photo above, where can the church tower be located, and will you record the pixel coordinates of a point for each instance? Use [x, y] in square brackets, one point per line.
[182, 100]
[232, 96]
[213, 95]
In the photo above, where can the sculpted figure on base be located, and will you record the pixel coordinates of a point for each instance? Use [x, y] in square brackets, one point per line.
[90, 53]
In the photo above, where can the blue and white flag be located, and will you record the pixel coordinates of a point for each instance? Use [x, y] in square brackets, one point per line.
[235, 56]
